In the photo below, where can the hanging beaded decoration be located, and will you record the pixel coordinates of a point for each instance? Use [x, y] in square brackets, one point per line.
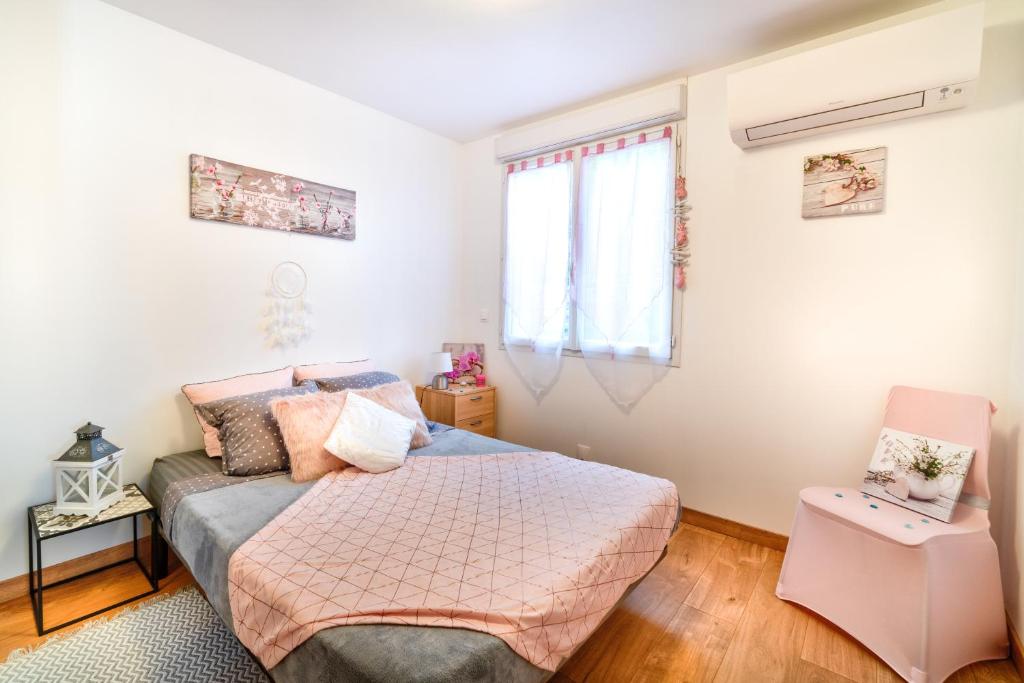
[681, 244]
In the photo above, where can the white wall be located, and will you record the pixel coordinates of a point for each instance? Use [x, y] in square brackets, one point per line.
[794, 329]
[112, 297]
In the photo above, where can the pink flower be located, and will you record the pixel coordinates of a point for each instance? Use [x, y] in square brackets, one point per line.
[463, 364]
[298, 187]
[472, 357]
[218, 182]
[680, 188]
[211, 170]
[453, 375]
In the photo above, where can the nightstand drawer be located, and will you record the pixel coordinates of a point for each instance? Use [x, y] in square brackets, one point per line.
[482, 424]
[473, 405]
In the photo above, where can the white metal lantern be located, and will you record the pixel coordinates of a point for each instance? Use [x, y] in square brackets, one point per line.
[88, 475]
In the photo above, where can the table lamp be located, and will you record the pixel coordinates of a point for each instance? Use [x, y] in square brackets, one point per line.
[440, 364]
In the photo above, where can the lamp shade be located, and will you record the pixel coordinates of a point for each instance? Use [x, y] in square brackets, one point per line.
[440, 362]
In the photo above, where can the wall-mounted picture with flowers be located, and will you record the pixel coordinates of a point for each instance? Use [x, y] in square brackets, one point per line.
[844, 183]
[223, 191]
[467, 361]
[918, 472]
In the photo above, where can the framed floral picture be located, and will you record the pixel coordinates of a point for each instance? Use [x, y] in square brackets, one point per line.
[918, 472]
[467, 361]
[844, 183]
[232, 193]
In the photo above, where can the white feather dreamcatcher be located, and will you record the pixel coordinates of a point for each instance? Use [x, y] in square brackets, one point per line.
[286, 315]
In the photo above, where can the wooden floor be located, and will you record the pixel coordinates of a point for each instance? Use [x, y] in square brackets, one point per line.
[708, 612]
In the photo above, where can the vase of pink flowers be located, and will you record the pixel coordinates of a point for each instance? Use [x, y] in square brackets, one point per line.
[465, 368]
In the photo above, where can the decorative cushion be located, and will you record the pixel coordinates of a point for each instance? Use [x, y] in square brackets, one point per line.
[248, 433]
[370, 436]
[305, 423]
[343, 369]
[400, 397]
[205, 392]
[362, 380]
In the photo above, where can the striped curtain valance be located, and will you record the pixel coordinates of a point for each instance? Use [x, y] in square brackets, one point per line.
[541, 161]
[587, 150]
[623, 142]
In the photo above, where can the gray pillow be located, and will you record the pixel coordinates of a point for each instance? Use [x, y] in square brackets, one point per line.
[360, 380]
[248, 432]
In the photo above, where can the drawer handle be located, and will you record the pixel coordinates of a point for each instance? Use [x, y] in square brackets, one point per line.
[477, 398]
[476, 423]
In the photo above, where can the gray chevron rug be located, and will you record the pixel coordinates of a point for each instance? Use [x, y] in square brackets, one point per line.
[173, 638]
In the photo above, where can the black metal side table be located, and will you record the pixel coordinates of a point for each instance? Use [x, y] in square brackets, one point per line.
[44, 524]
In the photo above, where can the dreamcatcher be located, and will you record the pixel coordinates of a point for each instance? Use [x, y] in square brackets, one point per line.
[286, 315]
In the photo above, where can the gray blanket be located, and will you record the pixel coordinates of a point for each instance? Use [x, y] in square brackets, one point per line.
[208, 528]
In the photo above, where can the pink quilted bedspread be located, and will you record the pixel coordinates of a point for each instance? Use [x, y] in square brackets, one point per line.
[534, 548]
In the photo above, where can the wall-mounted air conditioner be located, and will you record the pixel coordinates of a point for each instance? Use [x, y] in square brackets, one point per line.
[919, 67]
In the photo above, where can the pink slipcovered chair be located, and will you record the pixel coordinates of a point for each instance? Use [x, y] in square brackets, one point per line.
[923, 595]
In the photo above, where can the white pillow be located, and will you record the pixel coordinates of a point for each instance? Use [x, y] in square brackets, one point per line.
[370, 436]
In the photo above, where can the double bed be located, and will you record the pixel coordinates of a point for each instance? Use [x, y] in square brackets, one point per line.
[207, 516]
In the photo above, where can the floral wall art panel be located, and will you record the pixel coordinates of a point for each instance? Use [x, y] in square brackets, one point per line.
[223, 191]
[844, 183]
[918, 472]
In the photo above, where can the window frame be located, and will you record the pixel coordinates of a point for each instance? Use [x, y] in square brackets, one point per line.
[571, 345]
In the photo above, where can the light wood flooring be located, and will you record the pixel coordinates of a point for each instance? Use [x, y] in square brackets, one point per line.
[708, 612]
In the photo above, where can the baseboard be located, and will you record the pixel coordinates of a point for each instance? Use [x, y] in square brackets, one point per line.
[1016, 649]
[735, 529]
[17, 586]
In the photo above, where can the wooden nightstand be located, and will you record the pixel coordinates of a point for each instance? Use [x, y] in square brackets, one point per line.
[470, 408]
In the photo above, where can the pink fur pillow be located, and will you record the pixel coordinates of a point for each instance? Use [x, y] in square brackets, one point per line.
[305, 423]
[399, 397]
[207, 392]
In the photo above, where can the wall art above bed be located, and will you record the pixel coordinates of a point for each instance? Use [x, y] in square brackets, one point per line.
[223, 191]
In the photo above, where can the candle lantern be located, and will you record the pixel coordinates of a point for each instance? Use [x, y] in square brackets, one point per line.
[88, 475]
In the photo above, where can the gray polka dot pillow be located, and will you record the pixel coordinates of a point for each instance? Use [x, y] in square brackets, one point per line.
[248, 432]
[360, 380]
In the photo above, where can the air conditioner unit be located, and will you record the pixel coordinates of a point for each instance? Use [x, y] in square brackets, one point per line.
[918, 67]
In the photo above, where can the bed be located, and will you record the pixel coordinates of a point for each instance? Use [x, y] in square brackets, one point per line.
[200, 518]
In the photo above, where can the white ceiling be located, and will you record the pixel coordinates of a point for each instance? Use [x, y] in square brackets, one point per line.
[467, 68]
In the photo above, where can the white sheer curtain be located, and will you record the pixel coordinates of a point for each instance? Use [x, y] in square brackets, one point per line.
[623, 280]
[538, 223]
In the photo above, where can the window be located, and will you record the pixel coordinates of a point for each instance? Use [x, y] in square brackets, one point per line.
[538, 210]
[588, 235]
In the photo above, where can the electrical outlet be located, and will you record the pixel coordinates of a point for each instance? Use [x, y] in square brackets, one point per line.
[582, 452]
[485, 315]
